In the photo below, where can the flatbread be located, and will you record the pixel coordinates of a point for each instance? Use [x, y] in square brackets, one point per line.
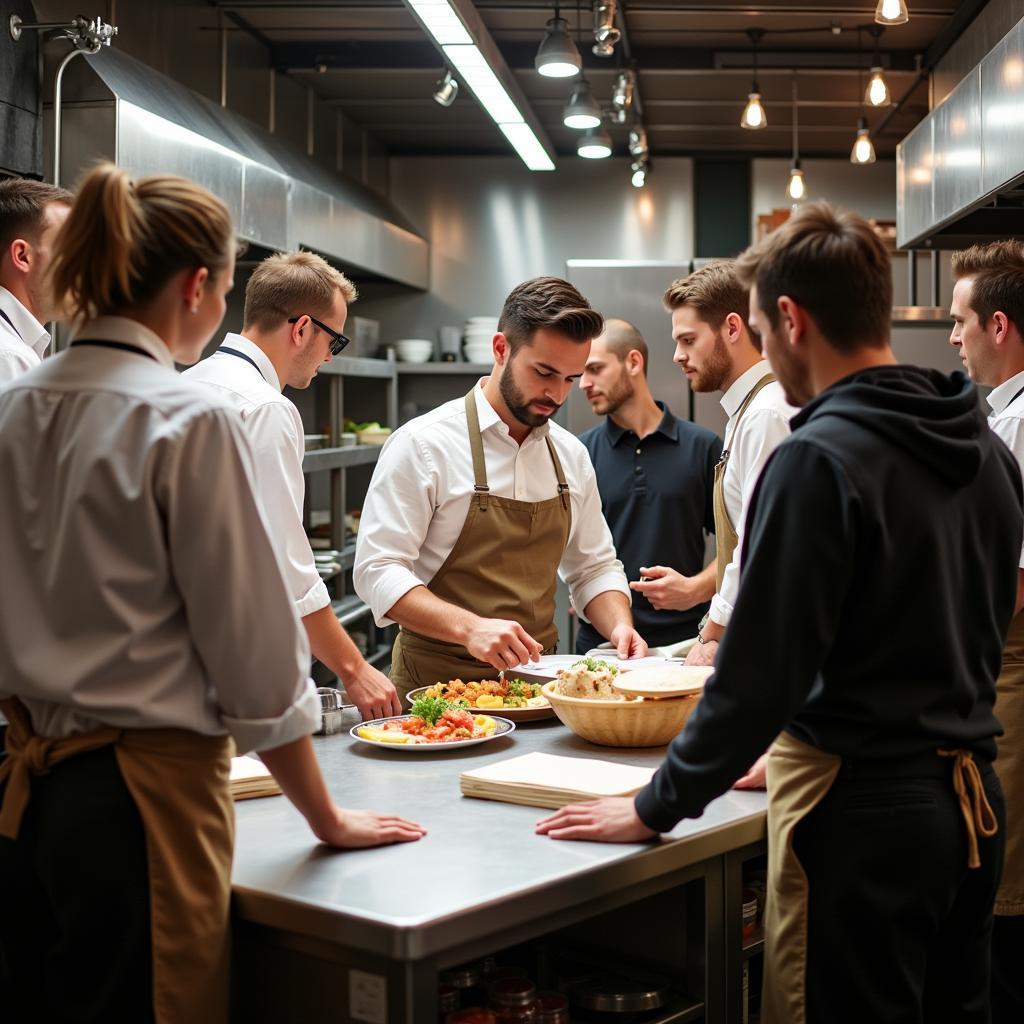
[665, 681]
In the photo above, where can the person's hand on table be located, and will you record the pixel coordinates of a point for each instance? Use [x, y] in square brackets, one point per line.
[666, 589]
[353, 830]
[756, 777]
[502, 643]
[612, 819]
[628, 643]
[702, 654]
[372, 693]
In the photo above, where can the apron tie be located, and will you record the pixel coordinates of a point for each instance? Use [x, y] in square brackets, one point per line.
[29, 754]
[978, 814]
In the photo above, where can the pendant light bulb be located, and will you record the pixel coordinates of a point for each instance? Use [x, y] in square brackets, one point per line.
[892, 12]
[582, 111]
[863, 151]
[557, 56]
[796, 189]
[595, 144]
[753, 113]
[877, 94]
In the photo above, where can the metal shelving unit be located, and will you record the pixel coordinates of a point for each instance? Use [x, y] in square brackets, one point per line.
[439, 369]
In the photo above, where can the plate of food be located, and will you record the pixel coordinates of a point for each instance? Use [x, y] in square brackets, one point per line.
[515, 698]
[432, 724]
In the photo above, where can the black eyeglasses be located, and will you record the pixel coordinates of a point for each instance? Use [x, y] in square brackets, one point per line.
[338, 340]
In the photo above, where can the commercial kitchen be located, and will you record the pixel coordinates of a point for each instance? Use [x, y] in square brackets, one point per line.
[457, 167]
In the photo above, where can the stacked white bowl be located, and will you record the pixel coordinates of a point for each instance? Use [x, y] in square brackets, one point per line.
[414, 350]
[478, 337]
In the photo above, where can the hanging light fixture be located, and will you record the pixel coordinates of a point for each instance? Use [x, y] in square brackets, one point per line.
[877, 94]
[639, 169]
[622, 95]
[446, 89]
[796, 189]
[595, 144]
[582, 111]
[606, 34]
[754, 116]
[638, 142]
[863, 151]
[557, 56]
[892, 12]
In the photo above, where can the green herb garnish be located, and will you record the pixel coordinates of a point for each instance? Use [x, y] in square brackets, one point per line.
[596, 665]
[430, 709]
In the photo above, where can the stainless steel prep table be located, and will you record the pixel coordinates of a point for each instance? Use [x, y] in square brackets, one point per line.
[307, 917]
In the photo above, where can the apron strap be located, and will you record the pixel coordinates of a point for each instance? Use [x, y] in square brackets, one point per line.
[767, 379]
[476, 446]
[977, 811]
[29, 754]
[563, 487]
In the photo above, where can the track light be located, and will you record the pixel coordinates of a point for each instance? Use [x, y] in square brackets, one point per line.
[596, 144]
[446, 89]
[582, 111]
[638, 143]
[558, 56]
[892, 12]
[622, 94]
[754, 116]
[863, 151]
[639, 169]
[606, 34]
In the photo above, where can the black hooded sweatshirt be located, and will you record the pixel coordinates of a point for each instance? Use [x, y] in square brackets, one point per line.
[879, 575]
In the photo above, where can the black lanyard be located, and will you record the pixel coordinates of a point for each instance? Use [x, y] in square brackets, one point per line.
[122, 345]
[11, 322]
[240, 355]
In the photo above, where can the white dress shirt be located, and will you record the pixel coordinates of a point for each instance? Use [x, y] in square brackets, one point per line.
[23, 341]
[139, 587]
[275, 431]
[420, 493]
[762, 428]
[1007, 419]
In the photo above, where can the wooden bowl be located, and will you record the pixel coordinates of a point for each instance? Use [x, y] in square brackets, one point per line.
[622, 723]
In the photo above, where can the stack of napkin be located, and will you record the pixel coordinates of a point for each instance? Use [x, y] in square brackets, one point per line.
[251, 778]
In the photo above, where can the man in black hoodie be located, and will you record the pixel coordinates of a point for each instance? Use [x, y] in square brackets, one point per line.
[879, 578]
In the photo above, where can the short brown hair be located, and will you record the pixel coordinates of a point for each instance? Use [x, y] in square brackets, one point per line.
[124, 240]
[714, 292]
[547, 302]
[23, 206]
[292, 284]
[833, 264]
[997, 273]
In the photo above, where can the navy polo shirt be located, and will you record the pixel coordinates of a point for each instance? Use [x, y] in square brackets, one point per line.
[657, 496]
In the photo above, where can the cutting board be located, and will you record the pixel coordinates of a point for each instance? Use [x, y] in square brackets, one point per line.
[550, 780]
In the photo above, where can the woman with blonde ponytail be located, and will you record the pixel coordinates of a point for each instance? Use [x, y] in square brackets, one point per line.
[146, 631]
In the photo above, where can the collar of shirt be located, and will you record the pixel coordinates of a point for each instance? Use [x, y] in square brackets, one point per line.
[742, 386]
[257, 355]
[128, 332]
[667, 427]
[999, 398]
[489, 417]
[31, 330]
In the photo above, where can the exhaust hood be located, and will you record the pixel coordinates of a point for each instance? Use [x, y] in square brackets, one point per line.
[280, 199]
[960, 172]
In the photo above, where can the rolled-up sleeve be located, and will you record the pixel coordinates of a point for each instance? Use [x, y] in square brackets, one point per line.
[242, 619]
[396, 515]
[589, 564]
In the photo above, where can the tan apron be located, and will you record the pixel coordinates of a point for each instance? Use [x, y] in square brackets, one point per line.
[799, 777]
[725, 530]
[179, 782]
[503, 566]
[1009, 766]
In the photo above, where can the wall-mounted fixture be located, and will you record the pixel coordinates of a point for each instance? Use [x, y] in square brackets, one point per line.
[796, 188]
[582, 110]
[754, 116]
[557, 56]
[892, 12]
[606, 32]
[595, 144]
[446, 89]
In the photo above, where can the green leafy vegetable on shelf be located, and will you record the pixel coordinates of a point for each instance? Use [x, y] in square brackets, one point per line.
[430, 709]
[596, 665]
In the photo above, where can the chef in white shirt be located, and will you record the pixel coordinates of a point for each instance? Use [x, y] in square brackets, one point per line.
[146, 630]
[473, 509]
[30, 214]
[296, 305]
[717, 352]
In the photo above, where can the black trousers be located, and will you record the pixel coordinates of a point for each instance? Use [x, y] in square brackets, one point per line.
[900, 927]
[1008, 970]
[74, 902]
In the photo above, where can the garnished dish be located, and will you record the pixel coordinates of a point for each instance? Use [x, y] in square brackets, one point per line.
[589, 679]
[434, 723]
[489, 694]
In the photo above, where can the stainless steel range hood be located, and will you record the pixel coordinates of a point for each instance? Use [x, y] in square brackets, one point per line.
[280, 199]
[960, 172]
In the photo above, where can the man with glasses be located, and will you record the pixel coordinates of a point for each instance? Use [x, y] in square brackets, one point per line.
[296, 305]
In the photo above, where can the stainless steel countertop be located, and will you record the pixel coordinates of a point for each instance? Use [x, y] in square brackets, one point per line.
[479, 869]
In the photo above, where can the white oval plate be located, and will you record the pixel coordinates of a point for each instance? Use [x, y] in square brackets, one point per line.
[504, 728]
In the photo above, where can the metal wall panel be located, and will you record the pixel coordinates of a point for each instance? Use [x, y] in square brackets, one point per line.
[914, 182]
[265, 199]
[1002, 90]
[957, 149]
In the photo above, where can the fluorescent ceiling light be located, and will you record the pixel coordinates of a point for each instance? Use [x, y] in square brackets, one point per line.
[474, 70]
[528, 146]
[441, 21]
